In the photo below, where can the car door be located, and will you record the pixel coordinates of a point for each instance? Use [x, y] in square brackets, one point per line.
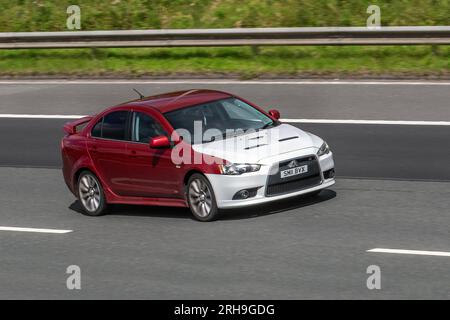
[151, 172]
[107, 148]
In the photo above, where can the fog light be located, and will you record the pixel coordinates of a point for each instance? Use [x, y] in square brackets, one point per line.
[245, 194]
[329, 174]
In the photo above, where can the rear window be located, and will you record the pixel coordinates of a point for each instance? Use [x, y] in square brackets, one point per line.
[112, 126]
[97, 129]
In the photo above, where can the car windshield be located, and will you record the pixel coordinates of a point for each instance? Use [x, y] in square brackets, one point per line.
[217, 120]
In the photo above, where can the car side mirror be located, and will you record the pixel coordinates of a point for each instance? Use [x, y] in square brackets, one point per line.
[275, 113]
[159, 142]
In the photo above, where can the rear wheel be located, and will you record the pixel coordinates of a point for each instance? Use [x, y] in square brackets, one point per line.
[90, 194]
[201, 199]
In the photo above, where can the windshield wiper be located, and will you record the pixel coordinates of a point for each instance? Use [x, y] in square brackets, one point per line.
[267, 125]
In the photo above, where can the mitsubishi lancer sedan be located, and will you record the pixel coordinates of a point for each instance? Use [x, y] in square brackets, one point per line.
[202, 149]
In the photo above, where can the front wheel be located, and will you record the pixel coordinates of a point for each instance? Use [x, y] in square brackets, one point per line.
[90, 194]
[201, 199]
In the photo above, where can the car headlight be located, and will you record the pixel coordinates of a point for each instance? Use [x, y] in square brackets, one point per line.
[238, 168]
[324, 149]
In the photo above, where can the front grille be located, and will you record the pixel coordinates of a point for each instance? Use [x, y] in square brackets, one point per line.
[276, 185]
[292, 186]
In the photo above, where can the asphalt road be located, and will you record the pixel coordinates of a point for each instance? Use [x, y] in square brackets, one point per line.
[354, 100]
[300, 248]
[297, 249]
[375, 151]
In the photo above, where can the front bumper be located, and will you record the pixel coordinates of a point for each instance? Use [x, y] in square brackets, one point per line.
[225, 186]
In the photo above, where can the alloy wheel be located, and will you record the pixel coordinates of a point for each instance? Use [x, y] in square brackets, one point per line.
[200, 198]
[89, 191]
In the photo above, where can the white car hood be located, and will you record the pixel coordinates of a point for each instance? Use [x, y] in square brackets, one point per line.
[256, 146]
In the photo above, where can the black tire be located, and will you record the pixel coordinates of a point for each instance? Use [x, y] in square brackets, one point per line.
[90, 192]
[201, 199]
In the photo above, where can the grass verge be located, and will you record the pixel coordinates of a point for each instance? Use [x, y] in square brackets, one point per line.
[51, 15]
[372, 61]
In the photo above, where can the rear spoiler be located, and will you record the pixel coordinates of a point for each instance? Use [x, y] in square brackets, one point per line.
[71, 127]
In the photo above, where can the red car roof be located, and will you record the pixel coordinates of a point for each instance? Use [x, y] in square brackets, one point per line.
[181, 99]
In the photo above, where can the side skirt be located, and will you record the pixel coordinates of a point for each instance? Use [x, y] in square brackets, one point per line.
[165, 202]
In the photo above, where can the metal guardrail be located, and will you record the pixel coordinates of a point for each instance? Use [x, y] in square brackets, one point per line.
[227, 37]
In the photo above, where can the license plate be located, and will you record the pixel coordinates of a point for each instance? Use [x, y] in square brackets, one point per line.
[294, 171]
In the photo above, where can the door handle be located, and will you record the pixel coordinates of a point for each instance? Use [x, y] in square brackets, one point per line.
[133, 154]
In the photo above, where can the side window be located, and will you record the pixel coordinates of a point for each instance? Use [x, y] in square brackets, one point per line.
[115, 125]
[97, 129]
[145, 127]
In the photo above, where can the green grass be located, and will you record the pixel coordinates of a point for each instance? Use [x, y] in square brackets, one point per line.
[50, 15]
[240, 62]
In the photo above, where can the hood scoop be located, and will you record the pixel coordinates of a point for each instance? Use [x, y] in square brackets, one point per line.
[256, 138]
[288, 138]
[265, 144]
[255, 146]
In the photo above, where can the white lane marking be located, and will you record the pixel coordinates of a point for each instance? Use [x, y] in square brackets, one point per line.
[40, 116]
[34, 230]
[336, 121]
[394, 122]
[414, 252]
[226, 82]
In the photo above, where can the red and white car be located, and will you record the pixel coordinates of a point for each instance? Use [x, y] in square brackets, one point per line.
[201, 149]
